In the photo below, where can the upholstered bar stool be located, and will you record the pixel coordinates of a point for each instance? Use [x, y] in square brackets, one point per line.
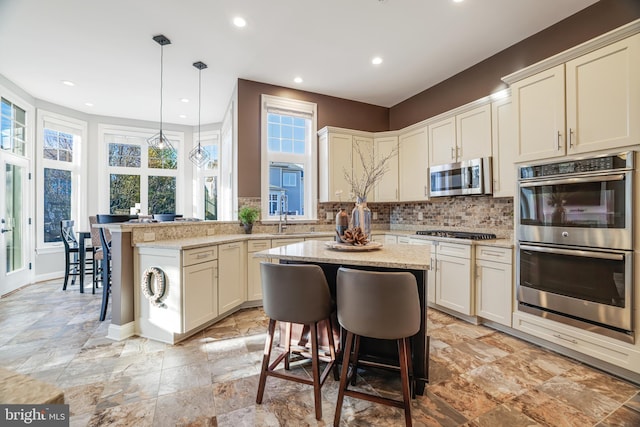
[296, 294]
[382, 305]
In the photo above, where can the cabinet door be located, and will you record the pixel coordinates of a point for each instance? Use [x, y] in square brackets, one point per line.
[442, 142]
[200, 294]
[335, 151]
[603, 97]
[231, 276]
[539, 107]
[413, 161]
[431, 275]
[493, 291]
[503, 148]
[254, 282]
[473, 133]
[453, 284]
[387, 188]
[362, 153]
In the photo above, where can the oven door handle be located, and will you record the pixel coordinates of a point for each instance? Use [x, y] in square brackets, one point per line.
[573, 252]
[600, 178]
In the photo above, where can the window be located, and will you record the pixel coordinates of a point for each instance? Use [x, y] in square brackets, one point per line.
[208, 178]
[141, 179]
[289, 150]
[12, 128]
[61, 197]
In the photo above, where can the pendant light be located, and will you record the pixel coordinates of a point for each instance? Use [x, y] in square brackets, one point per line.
[197, 155]
[159, 141]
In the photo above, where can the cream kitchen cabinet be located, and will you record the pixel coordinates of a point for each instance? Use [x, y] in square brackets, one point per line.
[494, 283]
[452, 279]
[386, 190]
[337, 153]
[589, 103]
[465, 136]
[232, 276]
[503, 148]
[190, 300]
[254, 282]
[413, 163]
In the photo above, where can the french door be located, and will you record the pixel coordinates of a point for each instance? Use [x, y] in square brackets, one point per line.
[14, 219]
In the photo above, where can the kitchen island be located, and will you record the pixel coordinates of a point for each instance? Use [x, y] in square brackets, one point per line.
[391, 257]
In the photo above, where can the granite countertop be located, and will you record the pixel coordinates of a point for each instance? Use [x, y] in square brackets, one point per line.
[197, 242]
[415, 257]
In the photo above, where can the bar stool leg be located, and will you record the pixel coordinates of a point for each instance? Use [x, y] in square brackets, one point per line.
[315, 366]
[287, 345]
[343, 377]
[265, 360]
[403, 351]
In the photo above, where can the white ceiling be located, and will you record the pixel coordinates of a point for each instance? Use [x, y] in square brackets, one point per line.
[105, 47]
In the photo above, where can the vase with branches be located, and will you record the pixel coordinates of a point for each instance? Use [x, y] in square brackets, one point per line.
[362, 179]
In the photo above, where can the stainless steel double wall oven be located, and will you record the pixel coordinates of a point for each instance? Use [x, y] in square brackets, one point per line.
[575, 242]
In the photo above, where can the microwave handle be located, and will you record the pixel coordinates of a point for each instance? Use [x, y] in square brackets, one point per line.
[572, 252]
[617, 177]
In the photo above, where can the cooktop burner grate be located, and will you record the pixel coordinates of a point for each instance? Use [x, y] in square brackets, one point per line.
[457, 234]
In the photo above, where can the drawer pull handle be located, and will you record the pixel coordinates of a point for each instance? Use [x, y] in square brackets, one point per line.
[489, 253]
[572, 341]
[200, 256]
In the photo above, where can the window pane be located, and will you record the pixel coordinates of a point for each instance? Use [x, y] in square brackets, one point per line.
[299, 133]
[273, 118]
[163, 159]
[274, 130]
[162, 194]
[57, 202]
[287, 132]
[50, 138]
[286, 120]
[20, 115]
[124, 155]
[211, 197]
[274, 144]
[212, 162]
[293, 202]
[124, 193]
[298, 147]
[287, 146]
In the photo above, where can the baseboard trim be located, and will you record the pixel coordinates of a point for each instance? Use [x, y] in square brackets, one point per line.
[121, 332]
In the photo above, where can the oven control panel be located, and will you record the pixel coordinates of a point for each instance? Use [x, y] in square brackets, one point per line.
[595, 164]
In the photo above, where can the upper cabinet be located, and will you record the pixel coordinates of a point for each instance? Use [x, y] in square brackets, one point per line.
[503, 148]
[465, 136]
[590, 103]
[413, 162]
[337, 154]
[387, 188]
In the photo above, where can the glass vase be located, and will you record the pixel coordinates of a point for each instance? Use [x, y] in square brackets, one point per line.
[361, 216]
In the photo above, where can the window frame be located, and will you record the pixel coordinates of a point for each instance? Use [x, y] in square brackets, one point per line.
[77, 167]
[280, 105]
[207, 138]
[144, 171]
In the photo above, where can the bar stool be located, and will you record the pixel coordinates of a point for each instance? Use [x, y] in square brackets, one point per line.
[72, 256]
[296, 294]
[382, 305]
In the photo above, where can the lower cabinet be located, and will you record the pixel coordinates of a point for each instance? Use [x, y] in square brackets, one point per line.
[494, 280]
[453, 284]
[200, 296]
[254, 283]
[232, 275]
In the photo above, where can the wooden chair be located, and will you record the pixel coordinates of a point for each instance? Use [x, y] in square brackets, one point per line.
[296, 294]
[382, 305]
[72, 253]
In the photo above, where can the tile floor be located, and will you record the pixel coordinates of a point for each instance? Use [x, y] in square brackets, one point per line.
[479, 377]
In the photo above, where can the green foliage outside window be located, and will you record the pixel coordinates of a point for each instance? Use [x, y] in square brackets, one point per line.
[162, 194]
[124, 193]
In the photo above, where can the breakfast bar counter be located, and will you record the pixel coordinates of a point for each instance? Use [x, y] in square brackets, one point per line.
[389, 257]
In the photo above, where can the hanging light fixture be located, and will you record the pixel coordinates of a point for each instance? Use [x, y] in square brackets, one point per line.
[160, 141]
[197, 155]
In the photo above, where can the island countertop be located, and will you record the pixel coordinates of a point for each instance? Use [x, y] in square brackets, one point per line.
[411, 257]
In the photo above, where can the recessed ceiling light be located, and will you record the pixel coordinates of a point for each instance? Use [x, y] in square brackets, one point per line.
[183, 116]
[298, 80]
[185, 100]
[88, 104]
[68, 83]
[458, 1]
[376, 60]
[239, 22]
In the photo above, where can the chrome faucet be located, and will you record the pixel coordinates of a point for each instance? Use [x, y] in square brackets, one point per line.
[283, 203]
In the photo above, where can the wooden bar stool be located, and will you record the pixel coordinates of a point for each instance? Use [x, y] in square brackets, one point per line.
[296, 294]
[382, 305]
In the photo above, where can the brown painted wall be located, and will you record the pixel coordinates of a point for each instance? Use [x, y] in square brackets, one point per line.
[331, 112]
[485, 77]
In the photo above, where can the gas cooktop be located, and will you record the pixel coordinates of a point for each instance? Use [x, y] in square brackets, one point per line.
[457, 234]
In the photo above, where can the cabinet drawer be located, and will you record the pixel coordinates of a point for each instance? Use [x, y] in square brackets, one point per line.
[404, 240]
[452, 249]
[196, 256]
[258, 245]
[492, 253]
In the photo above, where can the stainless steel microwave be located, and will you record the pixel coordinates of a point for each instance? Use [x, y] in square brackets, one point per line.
[469, 177]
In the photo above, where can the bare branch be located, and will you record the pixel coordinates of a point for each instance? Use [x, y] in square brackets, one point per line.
[373, 169]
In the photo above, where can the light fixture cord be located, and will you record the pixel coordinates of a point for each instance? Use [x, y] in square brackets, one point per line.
[199, 104]
[161, 79]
